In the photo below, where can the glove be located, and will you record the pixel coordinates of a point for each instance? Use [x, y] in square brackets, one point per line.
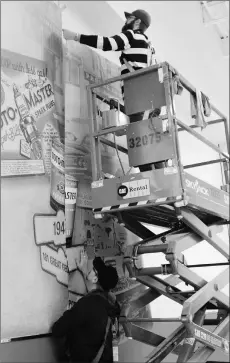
[69, 35]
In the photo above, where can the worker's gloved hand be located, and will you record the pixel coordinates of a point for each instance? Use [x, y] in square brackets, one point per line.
[155, 113]
[69, 35]
[112, 297]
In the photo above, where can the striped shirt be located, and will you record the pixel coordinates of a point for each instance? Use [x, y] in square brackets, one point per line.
[134, 46]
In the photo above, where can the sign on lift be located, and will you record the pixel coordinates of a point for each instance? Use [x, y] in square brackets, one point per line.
[134, 189]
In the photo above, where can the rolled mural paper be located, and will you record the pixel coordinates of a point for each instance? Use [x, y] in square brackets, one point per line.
[71, 185]
[57, 180]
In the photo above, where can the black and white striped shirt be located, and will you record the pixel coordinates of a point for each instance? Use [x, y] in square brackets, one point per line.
[133, 44]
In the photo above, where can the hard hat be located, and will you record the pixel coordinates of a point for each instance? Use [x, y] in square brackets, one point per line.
[142, 15]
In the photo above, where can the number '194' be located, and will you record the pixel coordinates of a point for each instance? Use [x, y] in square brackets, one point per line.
[59, 228]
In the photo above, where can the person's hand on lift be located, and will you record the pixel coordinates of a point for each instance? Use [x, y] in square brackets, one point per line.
[69, 35]
[112, 297]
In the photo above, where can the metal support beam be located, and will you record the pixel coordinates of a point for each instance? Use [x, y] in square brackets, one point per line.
[150, 271]
[163, 237]
[136, 227]
[162, 287]
[209, 264]
[200, 228]
[150, 320]
[126, 76]
[145, 336]
[152, 249]
[95, 144]
[201, 138]
[110, 130]
[189, 341]
[218, 161]
[190, 239]
[163, 349]
[187, 85]
[134, 331]
[112, 144]
[145, 298]
[208, 338]
[205, 294]
[209, 123]
[197, 282]
[203, 353]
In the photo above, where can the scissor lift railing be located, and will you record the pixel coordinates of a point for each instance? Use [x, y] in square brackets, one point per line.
[191, 216]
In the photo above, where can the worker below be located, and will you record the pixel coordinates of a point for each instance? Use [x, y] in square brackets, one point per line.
[132, 42]
[87, 326]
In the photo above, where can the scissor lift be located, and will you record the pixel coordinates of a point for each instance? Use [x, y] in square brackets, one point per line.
[192, 209]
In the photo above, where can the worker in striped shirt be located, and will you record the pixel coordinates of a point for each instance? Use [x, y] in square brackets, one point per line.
[132, 42]
[135, 52]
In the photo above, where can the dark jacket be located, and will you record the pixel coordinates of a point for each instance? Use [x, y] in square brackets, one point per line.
[84, 327]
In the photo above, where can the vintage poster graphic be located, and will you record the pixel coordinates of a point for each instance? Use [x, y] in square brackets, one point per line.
[27, 115]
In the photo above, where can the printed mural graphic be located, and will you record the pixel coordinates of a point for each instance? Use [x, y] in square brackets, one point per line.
[30, 143]
[27, 115]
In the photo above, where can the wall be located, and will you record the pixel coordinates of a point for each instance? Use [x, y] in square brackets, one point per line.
[101, 19]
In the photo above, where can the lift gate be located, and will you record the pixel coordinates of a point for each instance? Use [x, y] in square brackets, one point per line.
[192, 209]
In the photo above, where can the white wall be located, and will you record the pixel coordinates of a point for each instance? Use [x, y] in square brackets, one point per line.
[101, 19]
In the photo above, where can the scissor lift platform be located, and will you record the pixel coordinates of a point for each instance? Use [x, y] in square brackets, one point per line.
[158, 187]
[192, 210]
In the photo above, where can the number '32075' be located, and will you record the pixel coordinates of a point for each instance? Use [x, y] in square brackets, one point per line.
[144, 140]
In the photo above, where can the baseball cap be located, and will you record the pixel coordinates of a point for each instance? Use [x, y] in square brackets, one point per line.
[140, 14]
[107, 275]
